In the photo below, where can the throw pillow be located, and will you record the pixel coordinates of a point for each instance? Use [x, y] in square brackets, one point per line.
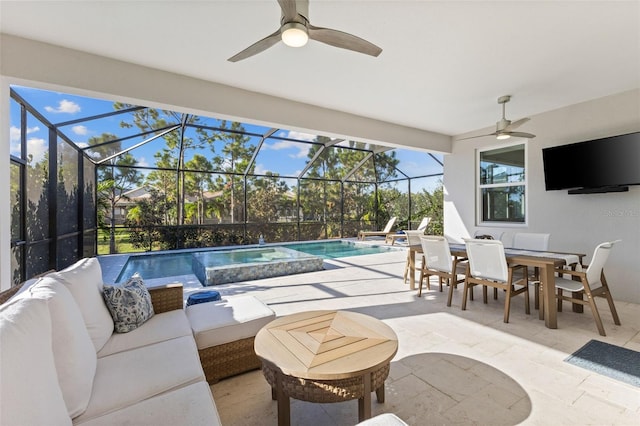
[129, 304]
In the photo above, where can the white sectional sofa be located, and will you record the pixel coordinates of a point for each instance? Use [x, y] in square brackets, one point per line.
[61, 363]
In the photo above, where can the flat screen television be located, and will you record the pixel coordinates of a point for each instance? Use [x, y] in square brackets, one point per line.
[600, 165]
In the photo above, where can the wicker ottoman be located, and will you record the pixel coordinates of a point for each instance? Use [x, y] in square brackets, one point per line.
[224, 332]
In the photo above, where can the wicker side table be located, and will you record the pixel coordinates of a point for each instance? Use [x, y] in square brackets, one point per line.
[326, 356]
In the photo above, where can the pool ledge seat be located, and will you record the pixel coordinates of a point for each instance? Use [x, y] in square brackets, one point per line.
[225, 331]
[86, 373]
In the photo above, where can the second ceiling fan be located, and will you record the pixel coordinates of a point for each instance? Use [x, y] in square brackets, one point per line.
[295, 30]
[505, 128]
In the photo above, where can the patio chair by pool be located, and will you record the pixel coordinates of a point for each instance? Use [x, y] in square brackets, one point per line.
[421, 227]
[386, 231]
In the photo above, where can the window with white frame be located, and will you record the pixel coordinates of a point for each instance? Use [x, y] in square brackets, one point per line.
[501, 184]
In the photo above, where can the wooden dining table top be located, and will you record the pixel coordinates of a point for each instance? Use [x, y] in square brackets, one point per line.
[518, 256]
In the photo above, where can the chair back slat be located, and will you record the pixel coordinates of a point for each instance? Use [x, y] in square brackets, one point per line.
[487, 259]
[437, 253]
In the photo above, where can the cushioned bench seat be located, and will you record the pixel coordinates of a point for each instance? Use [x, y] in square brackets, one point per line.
[224, 332]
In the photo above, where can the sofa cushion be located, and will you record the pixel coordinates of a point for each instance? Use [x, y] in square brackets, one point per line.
[129, 304]
[29, 384]
[128, 377]
[231, 319]
[73, 352]
[165, 326]
[84, 281]
[191, 405]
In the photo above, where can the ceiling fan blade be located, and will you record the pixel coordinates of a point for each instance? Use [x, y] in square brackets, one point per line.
[257, 47]
[516, 124]
[477, 136]
[343, 40]
[520, 135]
[289, 10]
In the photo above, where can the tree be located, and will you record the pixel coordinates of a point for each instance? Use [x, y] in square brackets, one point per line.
[114, 180]
[197, 182]
[233, 161]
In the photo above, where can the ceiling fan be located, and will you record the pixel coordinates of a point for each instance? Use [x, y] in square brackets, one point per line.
[504, 127]
[295, 30]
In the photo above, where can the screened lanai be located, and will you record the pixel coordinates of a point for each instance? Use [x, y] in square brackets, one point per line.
[95, 176]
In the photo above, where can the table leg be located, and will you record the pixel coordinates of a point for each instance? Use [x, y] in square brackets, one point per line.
[380, 394]
[412, 269]
[284, 408]
[550, 307]
[364, 403]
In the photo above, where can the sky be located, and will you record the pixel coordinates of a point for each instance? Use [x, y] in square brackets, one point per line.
[288, 158]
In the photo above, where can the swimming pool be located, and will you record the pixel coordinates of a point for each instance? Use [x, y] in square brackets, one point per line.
[175, 263]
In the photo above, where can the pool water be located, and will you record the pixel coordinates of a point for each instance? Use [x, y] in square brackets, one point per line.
[336, 249]
[162, 265]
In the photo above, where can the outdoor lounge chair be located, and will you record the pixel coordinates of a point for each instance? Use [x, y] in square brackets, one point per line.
[421, 227]
[386, 231]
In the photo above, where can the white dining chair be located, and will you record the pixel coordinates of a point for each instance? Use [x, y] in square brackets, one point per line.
[592, 284]
[437, 260]
[488, 267]
[531, 241]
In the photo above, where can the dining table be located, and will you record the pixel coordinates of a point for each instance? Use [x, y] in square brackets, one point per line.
[545, 261]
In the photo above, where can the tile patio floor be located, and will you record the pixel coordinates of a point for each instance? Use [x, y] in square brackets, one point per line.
[453, 367]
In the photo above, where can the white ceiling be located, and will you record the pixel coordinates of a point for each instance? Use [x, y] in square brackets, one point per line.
[443, 65]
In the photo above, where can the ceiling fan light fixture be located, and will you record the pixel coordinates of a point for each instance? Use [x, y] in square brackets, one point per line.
[502, 136]
[294, 34]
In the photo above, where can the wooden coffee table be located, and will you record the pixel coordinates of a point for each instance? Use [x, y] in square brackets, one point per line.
[326, 356]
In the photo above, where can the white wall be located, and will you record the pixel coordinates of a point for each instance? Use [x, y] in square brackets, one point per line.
[576, 222]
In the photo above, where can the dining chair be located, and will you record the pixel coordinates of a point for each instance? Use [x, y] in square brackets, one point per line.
[590, 283]
[531, 241]
[488, 267]
[437, 260]
[413, 238]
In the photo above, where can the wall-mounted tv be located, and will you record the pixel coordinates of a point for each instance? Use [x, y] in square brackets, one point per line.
[600, 165]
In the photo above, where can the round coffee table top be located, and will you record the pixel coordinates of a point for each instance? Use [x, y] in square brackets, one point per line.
[326, 345]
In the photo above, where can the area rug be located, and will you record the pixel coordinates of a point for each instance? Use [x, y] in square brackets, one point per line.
[609, 360]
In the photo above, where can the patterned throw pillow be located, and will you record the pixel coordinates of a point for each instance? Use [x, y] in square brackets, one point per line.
[129, 304]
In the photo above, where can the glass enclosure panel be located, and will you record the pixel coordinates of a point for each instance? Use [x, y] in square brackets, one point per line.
[283, 157]
[505, 204]
[386, 166]
[17, 260]
[89, 244]
[61, 107]
[418, 163]
[37, 216]
[67, 191]
[89, 194]
[67, 252]
[15, 129]
[502, 165]
[394, 201]
[38, 259]
[15, 200]
[272, 200]
[232, 151]
[427, 200]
